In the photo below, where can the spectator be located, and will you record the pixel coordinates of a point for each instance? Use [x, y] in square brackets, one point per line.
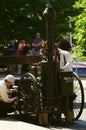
[19, 53]
[37, 44]
[12, 48]
[7, 104]
[26, 51]
[12, 51]
[20, 47]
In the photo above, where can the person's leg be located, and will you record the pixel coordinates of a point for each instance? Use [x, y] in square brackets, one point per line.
[25, 68]
[5, 108]
[19, 68]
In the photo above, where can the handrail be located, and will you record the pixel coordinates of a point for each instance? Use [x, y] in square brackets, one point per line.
[19, 59]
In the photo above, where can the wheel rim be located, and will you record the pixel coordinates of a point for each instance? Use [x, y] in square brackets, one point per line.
[78, 96]
[27, 91]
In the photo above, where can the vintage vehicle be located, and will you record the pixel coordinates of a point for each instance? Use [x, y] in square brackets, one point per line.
[36, 97]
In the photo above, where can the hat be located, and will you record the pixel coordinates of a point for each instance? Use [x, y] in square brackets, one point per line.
[10, 78]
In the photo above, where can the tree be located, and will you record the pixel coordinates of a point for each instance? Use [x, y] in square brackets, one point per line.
[80, 24]
[21, 19]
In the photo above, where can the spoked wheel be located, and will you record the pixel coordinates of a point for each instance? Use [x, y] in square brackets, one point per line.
[28, 94]
[78, 96]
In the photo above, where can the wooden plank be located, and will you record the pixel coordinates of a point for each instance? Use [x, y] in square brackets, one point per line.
[19, 59]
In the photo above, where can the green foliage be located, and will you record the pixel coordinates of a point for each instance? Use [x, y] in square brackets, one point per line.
[77, 54]
[21, 19]
[80, 24]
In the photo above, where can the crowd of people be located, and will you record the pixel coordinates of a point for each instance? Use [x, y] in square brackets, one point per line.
[32, 49]
[24, 48]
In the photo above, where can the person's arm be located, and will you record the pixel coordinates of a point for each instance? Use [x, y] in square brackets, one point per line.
[68, 59]
[13, 90]
[4, 95]
[36, 45]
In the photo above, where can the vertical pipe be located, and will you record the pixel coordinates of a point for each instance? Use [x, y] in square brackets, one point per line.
[49, 15]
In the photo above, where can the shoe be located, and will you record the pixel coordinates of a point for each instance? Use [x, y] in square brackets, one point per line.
[3, 115]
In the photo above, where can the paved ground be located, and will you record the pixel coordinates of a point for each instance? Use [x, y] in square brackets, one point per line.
[18, 125]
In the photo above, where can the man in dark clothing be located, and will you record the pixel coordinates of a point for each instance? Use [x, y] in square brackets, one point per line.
[26, 51]
[12, 48]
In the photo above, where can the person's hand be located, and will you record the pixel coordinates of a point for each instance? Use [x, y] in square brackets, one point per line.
[14, 90]
[16, 99]
[61, 70]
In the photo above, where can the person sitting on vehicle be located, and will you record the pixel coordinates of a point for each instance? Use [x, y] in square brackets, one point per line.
[64, 58]
[65, 44]
[7, 104]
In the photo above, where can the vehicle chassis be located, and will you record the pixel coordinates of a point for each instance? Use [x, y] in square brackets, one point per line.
[61, 100]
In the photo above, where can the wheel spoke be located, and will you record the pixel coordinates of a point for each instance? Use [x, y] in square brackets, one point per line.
[27, 91]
